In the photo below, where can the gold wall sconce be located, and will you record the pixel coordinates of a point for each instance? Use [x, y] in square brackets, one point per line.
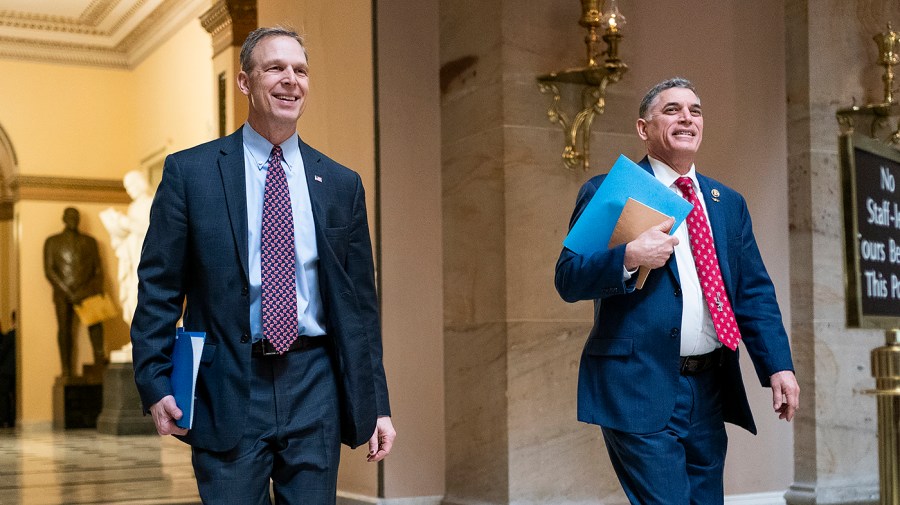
[878, 114]
[593, 77]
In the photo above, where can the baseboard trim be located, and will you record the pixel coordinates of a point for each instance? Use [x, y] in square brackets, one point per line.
[457, 501]
[773, 498]
[414, 500]
[809, 494]
[30, 427]
[345, 498]
[769, 498]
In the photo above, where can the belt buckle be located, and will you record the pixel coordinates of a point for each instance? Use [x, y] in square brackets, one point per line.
[687, 365]
[268, 349]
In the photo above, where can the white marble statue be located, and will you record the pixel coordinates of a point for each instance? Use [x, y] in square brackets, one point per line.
[127, 233]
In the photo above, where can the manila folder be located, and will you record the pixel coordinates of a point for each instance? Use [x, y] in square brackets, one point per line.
[636, 218]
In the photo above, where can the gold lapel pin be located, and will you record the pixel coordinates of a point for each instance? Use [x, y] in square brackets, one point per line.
[715, 195]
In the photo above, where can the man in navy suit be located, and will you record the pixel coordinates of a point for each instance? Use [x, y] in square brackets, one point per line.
[658, 372]
[266, 407]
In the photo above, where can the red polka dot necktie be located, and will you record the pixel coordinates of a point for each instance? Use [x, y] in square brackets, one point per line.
[279, 296]
[708, 271]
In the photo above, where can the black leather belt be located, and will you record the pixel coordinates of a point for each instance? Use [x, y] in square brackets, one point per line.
[303, 343]
[693, 365]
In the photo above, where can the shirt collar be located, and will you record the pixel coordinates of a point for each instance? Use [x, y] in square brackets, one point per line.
[260, 149]
[667, 175]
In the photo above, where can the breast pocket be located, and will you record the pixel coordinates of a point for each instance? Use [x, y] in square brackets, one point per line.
[338, 239]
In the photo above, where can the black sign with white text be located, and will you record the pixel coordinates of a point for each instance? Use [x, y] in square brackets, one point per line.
[872, 232]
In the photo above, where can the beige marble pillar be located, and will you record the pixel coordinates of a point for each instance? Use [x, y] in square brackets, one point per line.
[511, 345]
[830, 61]
[229, 22]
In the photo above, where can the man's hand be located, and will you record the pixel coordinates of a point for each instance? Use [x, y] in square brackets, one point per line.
[382, 440]
[651, 248]
[785, 394]
[165, 413]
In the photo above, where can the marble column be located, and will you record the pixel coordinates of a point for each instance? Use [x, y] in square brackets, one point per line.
[830, 62]
[511, 345]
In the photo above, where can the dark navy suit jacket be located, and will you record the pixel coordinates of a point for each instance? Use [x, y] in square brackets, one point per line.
[630, 363]
[196, 249]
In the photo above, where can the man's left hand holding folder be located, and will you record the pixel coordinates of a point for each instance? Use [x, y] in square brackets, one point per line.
[651, 248]
[165, 413]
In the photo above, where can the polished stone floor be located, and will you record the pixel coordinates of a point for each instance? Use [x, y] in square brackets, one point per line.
[76, 467]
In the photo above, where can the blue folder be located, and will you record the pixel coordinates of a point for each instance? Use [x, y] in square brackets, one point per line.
[185, 366]
[626, 179]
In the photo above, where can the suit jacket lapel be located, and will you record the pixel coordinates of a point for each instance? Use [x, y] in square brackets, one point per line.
[312, 165]
[317, 181]
[671, 264]
[231, 168]
[718, 222]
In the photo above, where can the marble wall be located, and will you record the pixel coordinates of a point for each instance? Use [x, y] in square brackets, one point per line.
[474, 236]
[409, 214]
[511, 346]
[830, 63]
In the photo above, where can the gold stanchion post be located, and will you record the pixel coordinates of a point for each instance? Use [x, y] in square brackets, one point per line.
[886, 370]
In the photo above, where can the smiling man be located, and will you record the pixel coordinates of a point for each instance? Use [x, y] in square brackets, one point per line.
[660, 372]
[262, 242]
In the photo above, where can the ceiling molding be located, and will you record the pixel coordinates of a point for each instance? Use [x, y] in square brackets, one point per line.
[34, 187]
[87, 22]
[108, 33]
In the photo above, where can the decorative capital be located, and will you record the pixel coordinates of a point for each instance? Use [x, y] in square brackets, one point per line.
[229, 22]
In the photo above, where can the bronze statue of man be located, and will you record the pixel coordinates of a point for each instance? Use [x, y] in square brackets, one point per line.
[72, 265]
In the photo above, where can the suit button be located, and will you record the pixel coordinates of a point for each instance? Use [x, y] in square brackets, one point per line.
[245, 291]
[245, 338]
[674, 333]
[677, 292]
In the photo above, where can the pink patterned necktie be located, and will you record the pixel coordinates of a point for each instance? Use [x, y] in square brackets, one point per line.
[704, 251]
[279, 296]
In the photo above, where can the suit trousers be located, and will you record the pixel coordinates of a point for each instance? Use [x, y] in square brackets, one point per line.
[684, 462]
[292, 437]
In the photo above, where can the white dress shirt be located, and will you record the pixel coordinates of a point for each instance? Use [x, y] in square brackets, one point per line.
[698, 334]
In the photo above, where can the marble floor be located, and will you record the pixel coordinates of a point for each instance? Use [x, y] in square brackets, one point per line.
[76, 467]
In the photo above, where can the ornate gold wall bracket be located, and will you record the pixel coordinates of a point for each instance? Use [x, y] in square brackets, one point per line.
[876, 118]
[593, 78]
[593, 101]
[879, 121]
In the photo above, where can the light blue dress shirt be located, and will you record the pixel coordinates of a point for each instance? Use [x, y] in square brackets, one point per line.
[310, 316]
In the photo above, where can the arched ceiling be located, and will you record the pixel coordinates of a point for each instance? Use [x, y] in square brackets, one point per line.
[109, 33]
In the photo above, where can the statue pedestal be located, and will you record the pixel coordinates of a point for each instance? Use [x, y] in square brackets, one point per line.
[93, 374]
[76, 402]
[122, 413]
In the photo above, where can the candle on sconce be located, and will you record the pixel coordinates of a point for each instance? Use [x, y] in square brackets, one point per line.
[603, 67]
[612, 18]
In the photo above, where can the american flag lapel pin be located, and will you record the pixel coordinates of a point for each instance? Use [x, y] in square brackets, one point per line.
[318, 178]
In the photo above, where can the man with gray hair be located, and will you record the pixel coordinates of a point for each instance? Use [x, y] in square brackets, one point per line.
[264, 243]
[660, 372]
